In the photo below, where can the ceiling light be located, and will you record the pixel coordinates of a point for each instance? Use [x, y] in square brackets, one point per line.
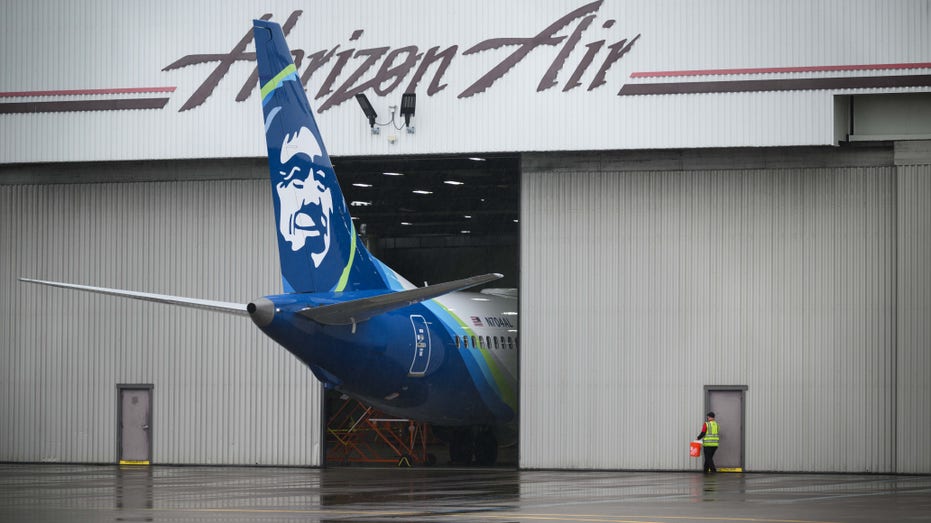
[406, 223]
[465, 232]
[421, 191]
[476, 159]
[359, 204]
[393, 174]
[361, 185]
[468, 216]
[452, 182]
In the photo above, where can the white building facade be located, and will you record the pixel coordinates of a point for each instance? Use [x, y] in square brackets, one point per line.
[721, 196]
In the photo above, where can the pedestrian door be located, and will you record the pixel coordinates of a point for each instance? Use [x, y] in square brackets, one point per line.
[727, 403]
[134, 422]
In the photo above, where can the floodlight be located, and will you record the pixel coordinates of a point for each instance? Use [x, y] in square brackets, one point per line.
[367, 109]
[408, 100]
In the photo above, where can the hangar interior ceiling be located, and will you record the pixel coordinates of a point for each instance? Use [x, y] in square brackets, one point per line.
[437, 218]
[409, 201]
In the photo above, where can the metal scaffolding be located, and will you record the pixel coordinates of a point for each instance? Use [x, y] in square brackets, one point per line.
[357, 433]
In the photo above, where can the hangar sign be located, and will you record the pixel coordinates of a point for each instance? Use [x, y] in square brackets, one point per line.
[563, 75]
[383, 69]
[346, 69]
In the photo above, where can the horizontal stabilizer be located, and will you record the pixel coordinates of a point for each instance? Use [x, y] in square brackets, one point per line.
[501, 293]
[355, 311]
[219, 306]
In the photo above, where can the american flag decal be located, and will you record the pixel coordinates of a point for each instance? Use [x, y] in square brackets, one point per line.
[476, 321]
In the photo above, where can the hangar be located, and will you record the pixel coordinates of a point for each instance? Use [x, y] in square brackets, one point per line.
[716, 207]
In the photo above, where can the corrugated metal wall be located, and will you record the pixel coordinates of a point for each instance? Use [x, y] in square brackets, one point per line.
[223, 392]
[640, 286]
[645, 277]
[914, 312]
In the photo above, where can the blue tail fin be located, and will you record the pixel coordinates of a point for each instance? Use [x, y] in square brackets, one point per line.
[317, 243]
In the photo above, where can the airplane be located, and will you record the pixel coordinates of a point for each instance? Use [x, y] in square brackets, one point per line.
[433, 354]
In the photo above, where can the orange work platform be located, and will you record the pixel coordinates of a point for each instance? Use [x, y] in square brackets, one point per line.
[357, 433]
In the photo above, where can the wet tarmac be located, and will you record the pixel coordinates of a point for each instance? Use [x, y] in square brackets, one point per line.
[231, 494]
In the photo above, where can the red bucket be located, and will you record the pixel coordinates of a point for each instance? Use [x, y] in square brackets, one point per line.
[695, 449]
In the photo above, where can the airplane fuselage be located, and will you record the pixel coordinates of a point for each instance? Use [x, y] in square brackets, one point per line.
[450, 361]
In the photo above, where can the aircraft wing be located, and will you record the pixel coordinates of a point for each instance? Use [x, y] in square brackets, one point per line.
[219, 306]
[355, 311]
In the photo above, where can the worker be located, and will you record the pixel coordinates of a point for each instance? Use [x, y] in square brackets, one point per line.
[710, 437]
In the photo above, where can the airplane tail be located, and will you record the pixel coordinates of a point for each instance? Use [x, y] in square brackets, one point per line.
[317, 242]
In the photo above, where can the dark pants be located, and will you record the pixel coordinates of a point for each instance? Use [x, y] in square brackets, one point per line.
[709, 458]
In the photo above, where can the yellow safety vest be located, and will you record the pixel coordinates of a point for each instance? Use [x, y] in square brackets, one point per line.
[711, 435]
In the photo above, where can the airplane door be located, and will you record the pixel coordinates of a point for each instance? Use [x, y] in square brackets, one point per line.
[421, 346]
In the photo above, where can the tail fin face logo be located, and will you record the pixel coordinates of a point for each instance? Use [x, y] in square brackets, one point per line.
[304, 196]
[314, 230]
[317, 242]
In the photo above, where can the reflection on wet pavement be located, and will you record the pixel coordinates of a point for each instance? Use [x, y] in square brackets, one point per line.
[163, 493]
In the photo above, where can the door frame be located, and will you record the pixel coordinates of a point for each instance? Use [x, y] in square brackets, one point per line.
[120, 387]
[742, 389]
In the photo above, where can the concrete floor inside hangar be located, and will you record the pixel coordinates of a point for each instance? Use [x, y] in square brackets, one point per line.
[164, 493]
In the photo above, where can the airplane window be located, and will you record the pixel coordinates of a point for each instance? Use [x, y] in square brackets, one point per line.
[496, 343]
[458, 343]
[474, 343]
[488, 342]
[465, 342]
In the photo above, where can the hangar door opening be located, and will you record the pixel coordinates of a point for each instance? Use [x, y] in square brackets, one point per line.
[432, 220]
